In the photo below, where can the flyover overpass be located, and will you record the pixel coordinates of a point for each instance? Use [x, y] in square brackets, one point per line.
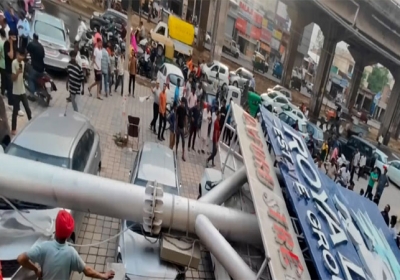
[372, 30]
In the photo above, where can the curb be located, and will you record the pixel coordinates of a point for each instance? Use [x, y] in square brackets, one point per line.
[76, 8]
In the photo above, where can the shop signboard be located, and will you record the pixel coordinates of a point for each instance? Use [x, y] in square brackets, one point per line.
[275, 44]
[255, 33]
[279, 239]
[277, 34]
[241, 25]
[266, 35]
[345, 235]
[264, 23]
[247, 12]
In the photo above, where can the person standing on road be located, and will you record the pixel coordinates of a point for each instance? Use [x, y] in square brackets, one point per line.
[113, 74]
[75, 80]
[19, 93]
[132, 74]
[172, 126]
[206, 120]
[156, 94]
[105, 70]
[96, 61]
[383, 182]
[192, 100]
[162, 109]
[181, 120]
[385, 214]
[355, 163]
[56, 259]
[194, 122]
[3, 39]
[215, 140]
[373, 177]
[36, 51]
[363, 162]
[120, 73]
[23, 32]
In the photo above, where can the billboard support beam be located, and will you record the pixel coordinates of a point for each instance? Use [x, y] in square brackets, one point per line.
[222, 250]
[228, 187]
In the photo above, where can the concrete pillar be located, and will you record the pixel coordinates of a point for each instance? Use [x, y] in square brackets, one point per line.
[362, 59]
[223, 14]
[184, 9]
[362, 101]
[331, 38]
[203, 18]
[299, 21]
[393, 105]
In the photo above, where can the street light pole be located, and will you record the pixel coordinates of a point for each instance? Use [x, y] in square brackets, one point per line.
[215, 28]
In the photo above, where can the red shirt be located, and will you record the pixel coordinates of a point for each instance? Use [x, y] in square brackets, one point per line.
[216, 131]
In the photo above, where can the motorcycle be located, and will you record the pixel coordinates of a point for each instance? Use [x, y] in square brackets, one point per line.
[145, 66]
[44, 85]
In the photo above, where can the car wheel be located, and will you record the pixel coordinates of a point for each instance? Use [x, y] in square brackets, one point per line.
[236, 55]
[235, 84]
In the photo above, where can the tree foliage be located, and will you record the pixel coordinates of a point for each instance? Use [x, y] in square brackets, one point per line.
[378, 78]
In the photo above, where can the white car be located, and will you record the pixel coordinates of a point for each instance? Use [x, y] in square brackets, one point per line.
[286, 92]
[290, 119]
[289, 108]
[394, 172]
[381, 160]
[239, 77]
[273, 99]
[309, 86]
[211, 69]
[172, 76]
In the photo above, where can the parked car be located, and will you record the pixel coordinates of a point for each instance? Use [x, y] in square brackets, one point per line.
[394, 172]
[318, 136]
[54, 36]
[138, 251]
[67, 141]
[211, 69]
[102, 19]
[274, 98]
[348, 148]
[290, 119]
[286, 92]
[170, 74]
[239, 77]
[381, 160]
[290, 108]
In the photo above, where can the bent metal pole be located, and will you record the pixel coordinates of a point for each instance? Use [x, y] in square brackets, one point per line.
[222, 250]
[45, 184]
[228, 187]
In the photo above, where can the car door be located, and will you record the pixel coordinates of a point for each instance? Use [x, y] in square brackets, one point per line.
[394, 172]
[213, 72]
[223, 76]
[161, 75]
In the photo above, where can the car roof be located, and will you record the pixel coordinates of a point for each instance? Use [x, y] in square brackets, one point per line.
[121, 15]
[49, 19]
[157, 163]
[220, 64]
[52, 132]
[173, 69]
[364, 142]
[295, 117]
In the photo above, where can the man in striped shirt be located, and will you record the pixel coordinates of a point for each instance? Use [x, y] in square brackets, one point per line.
[75, 80]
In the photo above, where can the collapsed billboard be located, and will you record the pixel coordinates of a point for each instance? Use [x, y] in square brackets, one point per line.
[345, 235]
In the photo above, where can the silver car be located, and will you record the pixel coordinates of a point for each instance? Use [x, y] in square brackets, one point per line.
[54, 37]
[154, 162]
[239, 77]
[68, 141]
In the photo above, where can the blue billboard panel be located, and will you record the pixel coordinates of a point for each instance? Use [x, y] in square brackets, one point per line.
[345, 234]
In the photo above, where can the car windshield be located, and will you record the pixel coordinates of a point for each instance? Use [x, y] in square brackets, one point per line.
[272, 95]
[316, 133]
[382, 157]
[42, 28]
[173, 79]
[19, 151]
[210, 64]
[285, 93]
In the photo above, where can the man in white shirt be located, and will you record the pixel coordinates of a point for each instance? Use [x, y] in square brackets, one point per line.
[4, 25]
[156, 94]
[363, 162]
[192, 101]
[96, 61]
[344, 175]
[355, 163]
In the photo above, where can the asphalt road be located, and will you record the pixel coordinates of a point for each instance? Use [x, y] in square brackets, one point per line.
[69, 17]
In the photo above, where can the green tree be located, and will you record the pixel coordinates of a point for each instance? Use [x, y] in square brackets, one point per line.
[378, 78]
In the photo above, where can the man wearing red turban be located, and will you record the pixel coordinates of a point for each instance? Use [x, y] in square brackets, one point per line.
[56, 259]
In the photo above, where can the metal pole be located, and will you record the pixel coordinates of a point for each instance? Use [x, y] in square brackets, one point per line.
[194, 10]
[222, 250]
[45, 184]
[128, 35]
[262, 268]
[226, 188]
[215, 28]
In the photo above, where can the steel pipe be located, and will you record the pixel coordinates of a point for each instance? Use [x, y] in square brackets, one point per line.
[222, 250]
[228, 187]
[59, 187]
